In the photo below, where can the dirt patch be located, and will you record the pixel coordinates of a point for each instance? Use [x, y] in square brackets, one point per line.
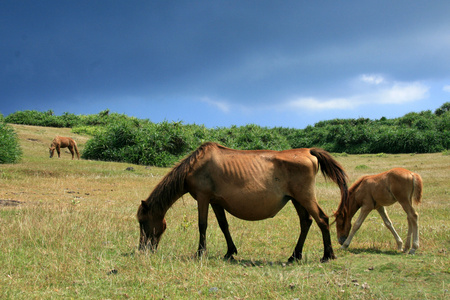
[10, 202]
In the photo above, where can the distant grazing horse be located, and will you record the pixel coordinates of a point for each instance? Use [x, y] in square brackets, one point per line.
[251, 185]
[375, 192]
[63, 142]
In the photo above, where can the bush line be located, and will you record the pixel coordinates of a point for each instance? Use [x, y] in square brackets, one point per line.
[117, 137]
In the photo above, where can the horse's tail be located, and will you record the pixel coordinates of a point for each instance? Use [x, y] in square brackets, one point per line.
[76, 149]
[332, 169]
[417, 188]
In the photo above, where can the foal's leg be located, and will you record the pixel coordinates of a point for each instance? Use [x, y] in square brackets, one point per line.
[203, 206]
[305, 224]
[362, 216]
[382, 211]
[413, 229]
[58, 149]
[223, 223]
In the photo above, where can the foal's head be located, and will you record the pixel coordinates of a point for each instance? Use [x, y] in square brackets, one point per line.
[343, 225]
[152, 226]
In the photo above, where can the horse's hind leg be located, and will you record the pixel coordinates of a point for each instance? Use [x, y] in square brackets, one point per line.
[71, 151]
[223, 223]
[313, 208]
[413, 229]
[305, 224]
[382, 211]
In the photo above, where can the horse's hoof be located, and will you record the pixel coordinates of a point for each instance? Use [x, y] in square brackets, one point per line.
[200, 253]
[294, 258]
[291, 260]
[412, 251]
[228, 257]
[327, 259]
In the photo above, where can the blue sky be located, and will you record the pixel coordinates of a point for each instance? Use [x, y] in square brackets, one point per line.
[223, 63]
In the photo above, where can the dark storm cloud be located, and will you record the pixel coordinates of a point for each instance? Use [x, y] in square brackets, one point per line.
[245, 52]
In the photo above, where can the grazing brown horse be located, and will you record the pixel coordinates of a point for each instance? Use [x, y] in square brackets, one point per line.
[63, 142]
[375, 192]
[250, 185]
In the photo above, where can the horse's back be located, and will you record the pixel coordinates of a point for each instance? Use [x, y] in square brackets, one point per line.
[252, 185]
[65, 141]
[390, 186]
[264, 164]
[403, 182]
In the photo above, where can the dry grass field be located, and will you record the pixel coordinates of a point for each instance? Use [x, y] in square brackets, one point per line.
[68, 230]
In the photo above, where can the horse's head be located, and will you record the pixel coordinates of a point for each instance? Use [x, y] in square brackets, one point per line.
[51, 150]
[343, 226]
[152, 226]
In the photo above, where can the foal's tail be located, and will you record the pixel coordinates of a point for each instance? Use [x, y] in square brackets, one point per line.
[332, 169]
[417, 188]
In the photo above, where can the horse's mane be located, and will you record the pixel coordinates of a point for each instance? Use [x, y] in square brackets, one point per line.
[172, 186]
[344, 206]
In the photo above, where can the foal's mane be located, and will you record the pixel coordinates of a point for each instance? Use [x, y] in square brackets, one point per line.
[172, 186]
[344, 206]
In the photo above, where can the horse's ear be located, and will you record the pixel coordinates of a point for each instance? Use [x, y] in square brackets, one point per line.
[144, 205]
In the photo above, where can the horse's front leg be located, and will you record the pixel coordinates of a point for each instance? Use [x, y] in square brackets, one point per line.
[305, 224]
[362, 216]
[382, 211]
[203, 206]
[223, 223]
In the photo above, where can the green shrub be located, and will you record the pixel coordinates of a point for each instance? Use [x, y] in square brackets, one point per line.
[118, 137]
[250, 137]
[10, 151]
[88, 130]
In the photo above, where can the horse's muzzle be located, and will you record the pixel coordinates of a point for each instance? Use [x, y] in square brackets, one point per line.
[148, 246]
[342, 240]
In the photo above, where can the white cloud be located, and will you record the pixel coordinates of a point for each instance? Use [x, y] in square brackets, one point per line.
[388, 93]
[403, 92]
[372, 78]
[321, 104]
[446, 88]
[223, 106]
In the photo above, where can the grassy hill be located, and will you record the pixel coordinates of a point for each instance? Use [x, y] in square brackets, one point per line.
[68, 230]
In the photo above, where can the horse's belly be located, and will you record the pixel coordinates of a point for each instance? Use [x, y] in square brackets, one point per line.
[252, 207]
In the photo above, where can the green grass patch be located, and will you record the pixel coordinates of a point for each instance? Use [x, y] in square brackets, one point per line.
[74, 234]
